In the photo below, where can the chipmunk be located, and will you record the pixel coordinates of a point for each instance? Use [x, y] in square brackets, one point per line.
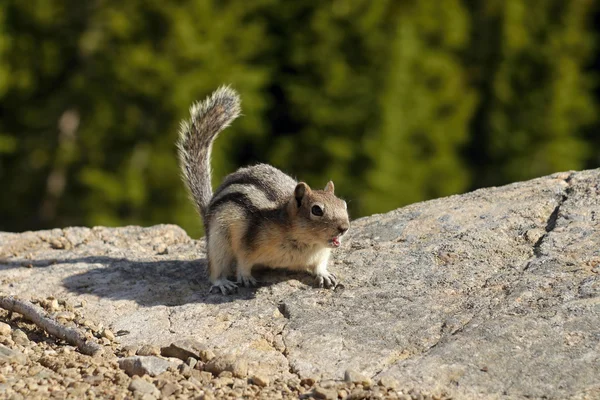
[258, 215]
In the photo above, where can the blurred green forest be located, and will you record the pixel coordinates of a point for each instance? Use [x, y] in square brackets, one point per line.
[396, 101]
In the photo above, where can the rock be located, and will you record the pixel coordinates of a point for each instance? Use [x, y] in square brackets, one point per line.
[359, 394]
[130, 350]
[308, 381]
[142, 387]
[65, 315]
[161, 249]
[185, 370]
[148, 350]
[205, 376]
[93, 379]
[11, 356]
[388, 382]
[175, 361]
[354, 376]
[108, 334]
[328, 383]
[236, 365]
[53, 305]
[170, 388]
[183, 349]
[207, 355]
[434, 293]
[225, 374]
[260, 380]
[36, 369]
[208, 396]
[90, 324]
[5, 329]
[325, 393]
[223, 381]
[143, 365]
[20, 337]
[191, 361]
[57, 244]
[294, 383]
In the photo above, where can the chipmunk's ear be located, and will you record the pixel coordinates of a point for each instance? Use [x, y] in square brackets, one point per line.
[302, 189]
[329, 187]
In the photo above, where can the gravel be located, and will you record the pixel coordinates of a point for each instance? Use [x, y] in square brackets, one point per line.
[34, 365]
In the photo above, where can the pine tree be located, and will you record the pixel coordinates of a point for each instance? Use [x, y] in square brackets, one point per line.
[381, 97]
[537, 97]
[95, 96]
[426, 108]
[325, 89]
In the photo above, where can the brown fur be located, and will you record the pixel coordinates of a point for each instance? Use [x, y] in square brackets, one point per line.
[258, 215]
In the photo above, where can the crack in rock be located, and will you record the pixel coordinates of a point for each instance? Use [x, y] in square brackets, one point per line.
[170, 313]
[284, 310]
[551, 221]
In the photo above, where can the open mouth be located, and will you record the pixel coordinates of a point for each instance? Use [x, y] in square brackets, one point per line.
[335, 242]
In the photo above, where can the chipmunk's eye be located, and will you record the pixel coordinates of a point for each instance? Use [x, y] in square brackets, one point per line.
[317, 210]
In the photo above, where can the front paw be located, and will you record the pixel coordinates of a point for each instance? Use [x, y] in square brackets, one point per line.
[247, 281]
[327, 280]
[225, 286]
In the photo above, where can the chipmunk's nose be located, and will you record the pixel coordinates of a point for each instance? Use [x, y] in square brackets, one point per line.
[343, 228]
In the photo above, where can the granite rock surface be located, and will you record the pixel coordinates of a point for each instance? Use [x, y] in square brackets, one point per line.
[491, 294]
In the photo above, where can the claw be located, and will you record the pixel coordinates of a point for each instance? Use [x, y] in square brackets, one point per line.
[225, 286]
[319, 281]
[327, 280]
[247, 281]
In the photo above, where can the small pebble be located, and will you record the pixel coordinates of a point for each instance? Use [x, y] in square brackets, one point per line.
[325, 393]
[207, 355]
[185, 370]
[142, 387]
[222, 381]
[238, 366]
[53, 305]
[226, 374]
[191, 361]
[20, 337]
[107, 333]
[308, 381]
[130, 350]
[65, 315]
[260, 380]
[148, 350]
[5, 329]
[170, 388]
[389, 382]
[89, 324]
[206, 376]
[356, 377]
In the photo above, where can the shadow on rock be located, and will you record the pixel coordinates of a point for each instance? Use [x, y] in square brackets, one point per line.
[151, 283]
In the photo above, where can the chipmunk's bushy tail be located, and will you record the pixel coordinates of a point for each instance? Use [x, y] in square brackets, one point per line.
[196, 136]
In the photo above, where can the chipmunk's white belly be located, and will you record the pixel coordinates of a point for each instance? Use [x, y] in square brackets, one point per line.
[279, 257]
